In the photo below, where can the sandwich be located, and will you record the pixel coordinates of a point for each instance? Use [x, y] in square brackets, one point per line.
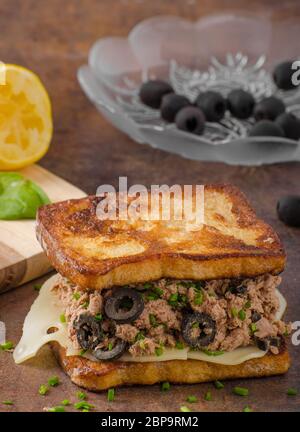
[145, 301]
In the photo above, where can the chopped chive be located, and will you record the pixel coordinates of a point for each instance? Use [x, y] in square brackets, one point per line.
[159, 351]
[56, 409]
[165, 386]
[219, 385]
[153, 320]
[158, 291]
[98, 317]
[81, 395]
[139, 337]
[7, 402]
[247, 304]
[83, 405]
[241, 391]
[247, 409]
[53, 381]
[43, 389]
[65, 402]
[173, 299]
[292, 392]
[37, 287]
[6, 346]
[85, 305]
[110, 346]
[179, 345]
[152, 296]
[76, 296]
[208, 396]
[198, 299]
[234, 312]
[192, 399]
[253, 327]
[82, 352]
[185, 409]
[111, 395]
[147, 285]
[195, 325]
[62, 318]
[242, 315]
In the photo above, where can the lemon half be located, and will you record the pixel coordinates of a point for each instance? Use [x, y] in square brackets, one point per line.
[25, 118]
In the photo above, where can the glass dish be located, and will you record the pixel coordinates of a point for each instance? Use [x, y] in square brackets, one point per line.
[192, 58]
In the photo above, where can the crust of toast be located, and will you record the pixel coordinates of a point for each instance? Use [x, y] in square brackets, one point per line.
[97, 254]
[97, 376]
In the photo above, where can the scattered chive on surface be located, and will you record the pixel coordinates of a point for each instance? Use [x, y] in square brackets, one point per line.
[98, 317]
[53, 381]
[240, 391]
[82, 352]
[247, 409]
[185, 409]
[192, 399]
[43, 389]
[208, 396]
[110, 346]
[292, 392]
[7, 402]
[37, 287]
[65, 402]
[219, 385]
[6, 346]
[56, 409]
[212, 353]
[83, 405]
[81, 395]
[234, 312]
[76, 296]
[111, 395]
[165, 386]
[247, 304]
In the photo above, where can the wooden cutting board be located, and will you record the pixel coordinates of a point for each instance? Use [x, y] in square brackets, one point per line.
[21, 257]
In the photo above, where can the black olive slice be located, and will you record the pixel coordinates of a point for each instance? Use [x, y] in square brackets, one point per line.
[256, 316]
[114, 353]
[88, 330]
[124, 305]
[263, 344]
[198, 329]
[237, 287]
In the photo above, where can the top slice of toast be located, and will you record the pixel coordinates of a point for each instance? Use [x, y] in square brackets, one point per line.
[97, 254]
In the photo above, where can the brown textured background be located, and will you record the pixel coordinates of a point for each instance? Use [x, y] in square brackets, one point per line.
[53, 39]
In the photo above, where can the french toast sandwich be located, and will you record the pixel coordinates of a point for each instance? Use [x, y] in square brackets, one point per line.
[145, 301]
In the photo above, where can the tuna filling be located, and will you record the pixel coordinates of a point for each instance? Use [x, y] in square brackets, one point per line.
[216, 315]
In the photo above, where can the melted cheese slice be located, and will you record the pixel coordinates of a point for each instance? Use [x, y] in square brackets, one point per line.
[45, 314]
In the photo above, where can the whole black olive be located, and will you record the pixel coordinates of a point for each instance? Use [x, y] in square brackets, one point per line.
[275, 342]
[198, 329]
[212, 104]
[290, 125]
[256, 316]
[268, 108]
[266, 128]
[114, 353]
[282, 75]
[152, 92]
[240, 103]
[190, 119]
[171, 104]
[88, 330]
[124, 305]
[288, 209]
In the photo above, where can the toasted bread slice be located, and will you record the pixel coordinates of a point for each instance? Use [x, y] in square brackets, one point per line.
[97, 254]
[98, 376]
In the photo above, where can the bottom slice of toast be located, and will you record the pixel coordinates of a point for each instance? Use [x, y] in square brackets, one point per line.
[97, 376]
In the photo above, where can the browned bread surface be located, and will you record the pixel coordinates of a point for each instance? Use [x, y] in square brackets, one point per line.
[97, 254]
[98, 376]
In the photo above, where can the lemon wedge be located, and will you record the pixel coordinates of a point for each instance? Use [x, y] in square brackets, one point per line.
[25, 118]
